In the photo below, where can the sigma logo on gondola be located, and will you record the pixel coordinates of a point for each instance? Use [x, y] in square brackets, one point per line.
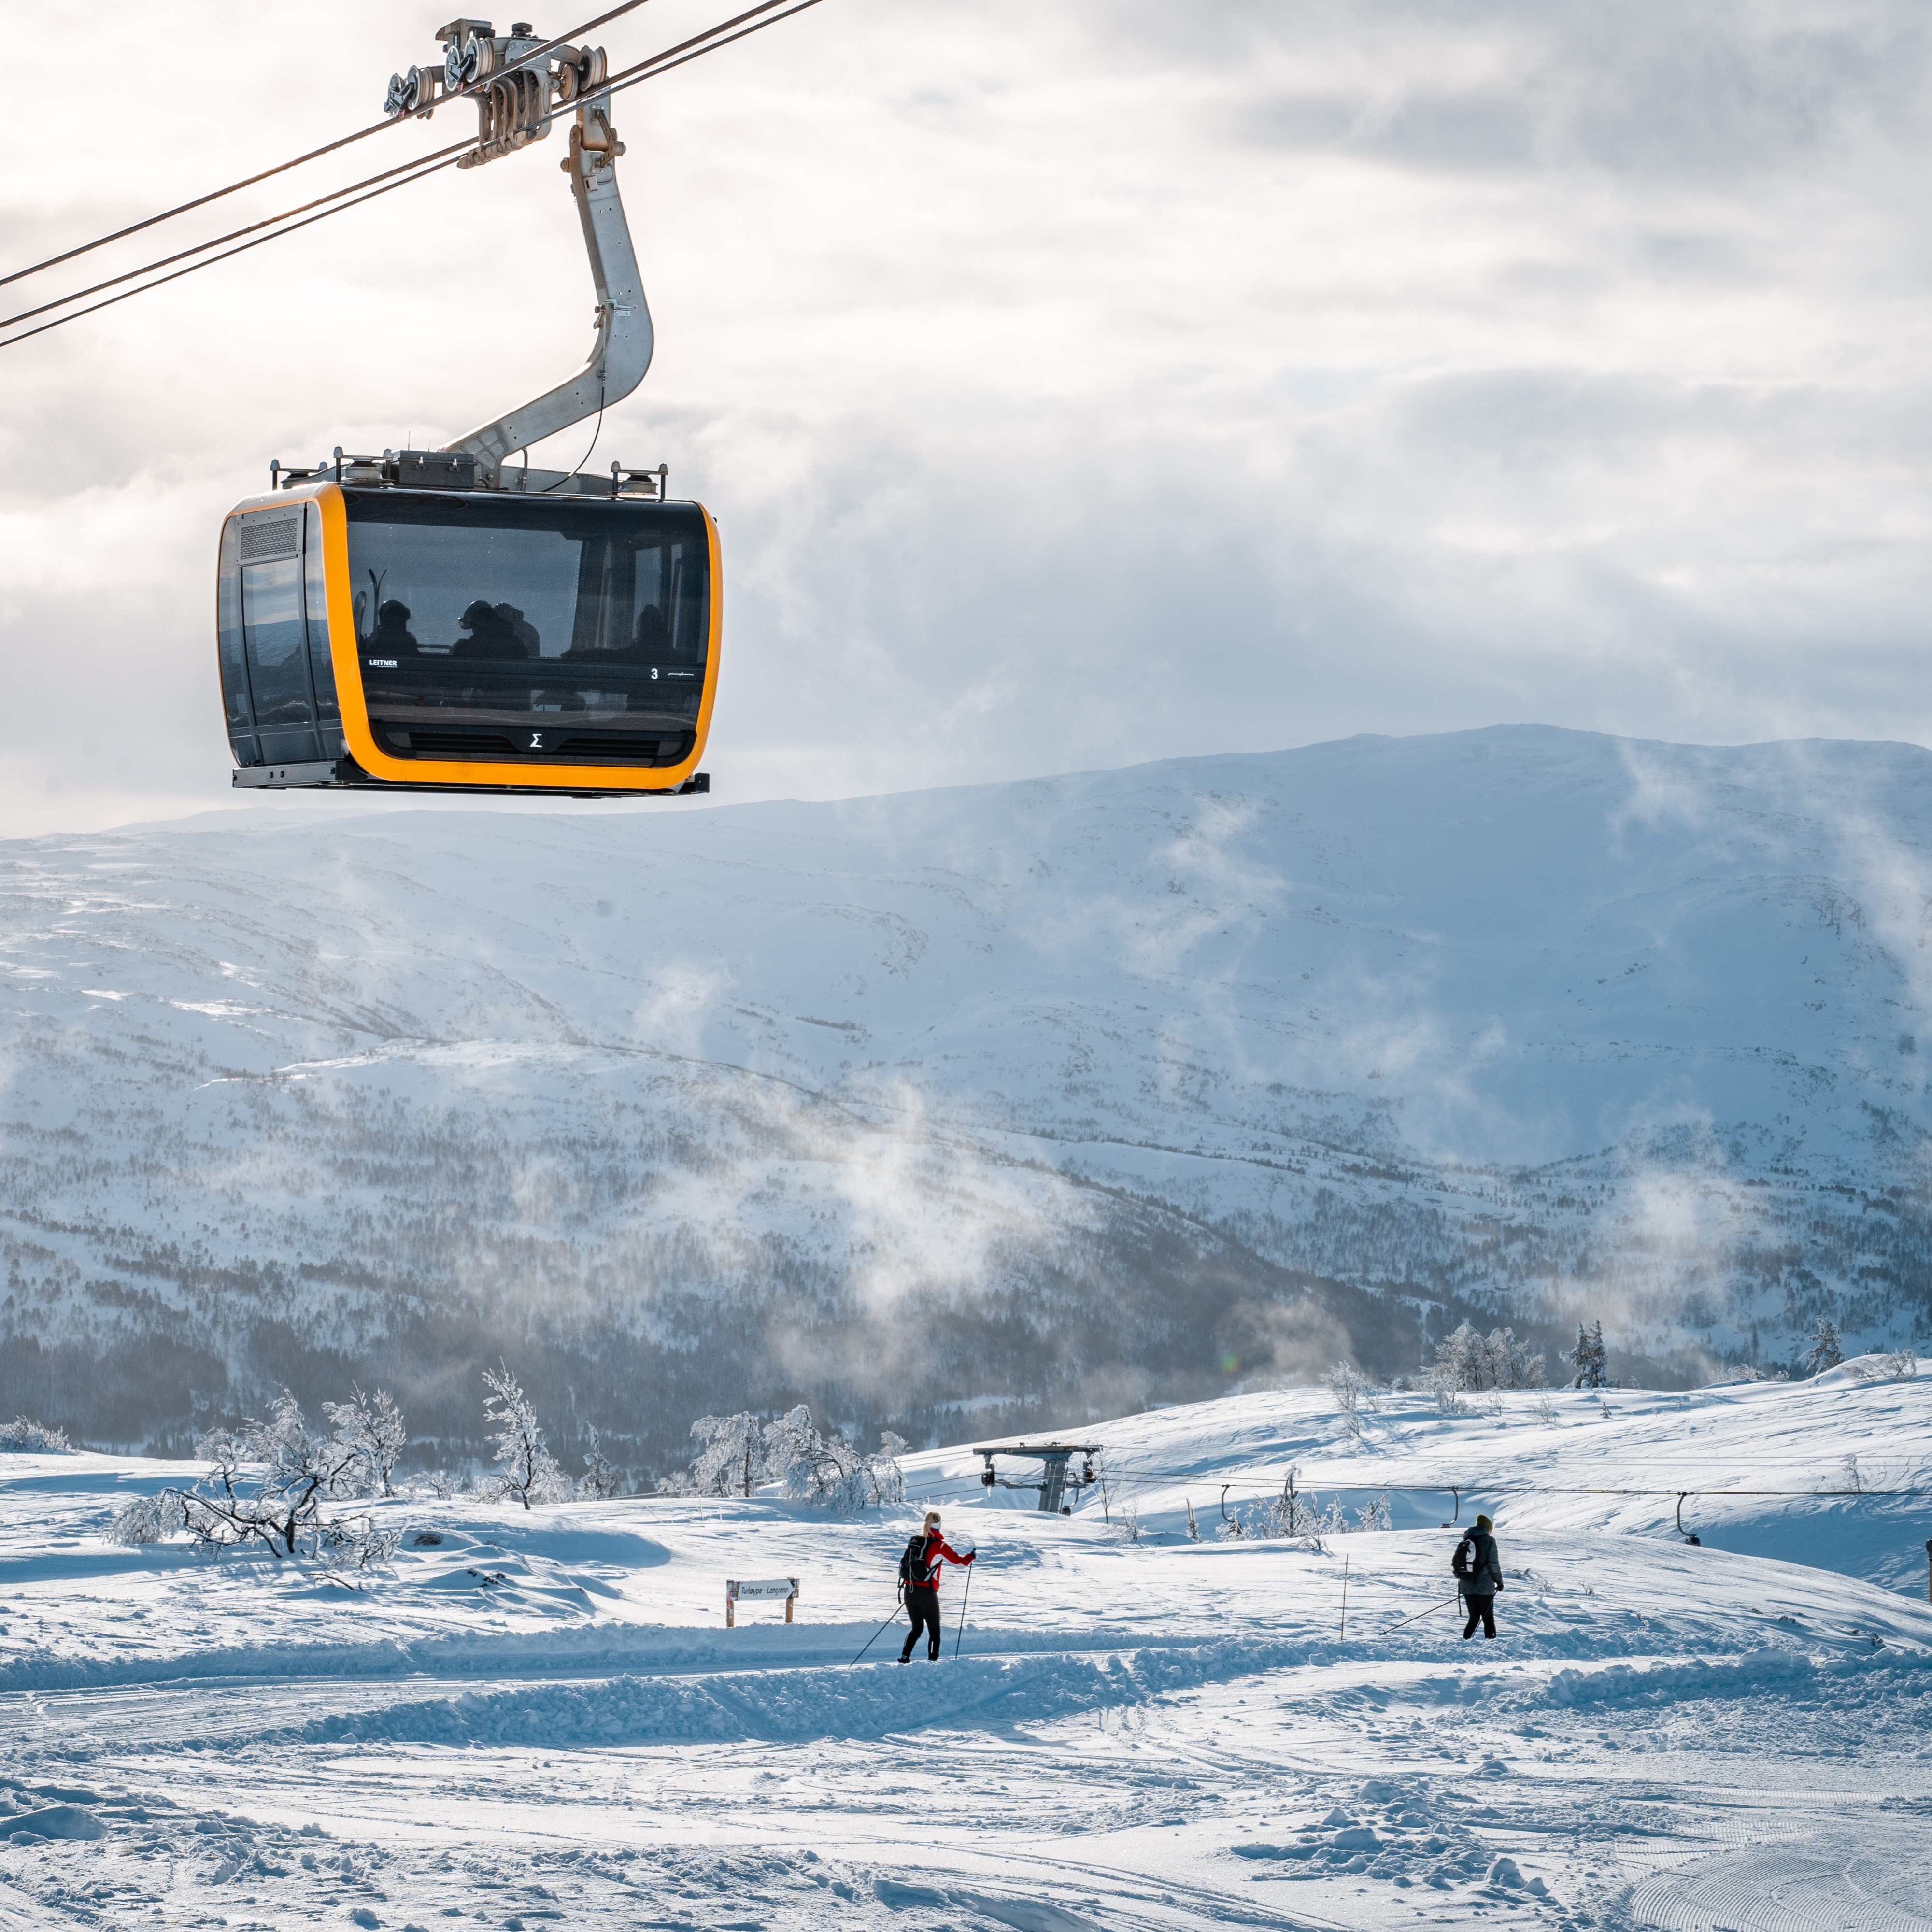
[402, 621]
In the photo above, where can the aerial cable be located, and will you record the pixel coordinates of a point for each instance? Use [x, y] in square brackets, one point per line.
[349, 197]
[627, 77]
[314, 153]
[662, 63]
[234, 234]
[209, 261]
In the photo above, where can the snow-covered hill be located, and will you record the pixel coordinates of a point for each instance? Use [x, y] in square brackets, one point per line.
[1062, 1095]
[539, 1717]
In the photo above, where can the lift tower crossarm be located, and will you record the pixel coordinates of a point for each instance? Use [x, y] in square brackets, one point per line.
[1056, 1478]
[515, 95]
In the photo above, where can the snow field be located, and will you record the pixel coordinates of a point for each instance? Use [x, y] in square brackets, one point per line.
[539, 1718]
[1494, 1012]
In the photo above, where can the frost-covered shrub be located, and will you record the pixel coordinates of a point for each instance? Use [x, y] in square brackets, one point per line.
[144, 1520]
[1467, 1360]
[730, 1458]
[271, 1479]
[35, 1437]
[1902, 1367]
[372, 1425]
[831, 1470]
[528, 1470]
[1353, 1392]
[598, 1479]
[737, 1453]
[1373, 1514]
[355, 1542]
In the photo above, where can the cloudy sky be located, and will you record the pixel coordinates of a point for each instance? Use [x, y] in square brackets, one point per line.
[1073, 385]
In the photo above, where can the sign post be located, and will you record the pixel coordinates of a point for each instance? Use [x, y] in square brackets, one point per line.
[769, 1591]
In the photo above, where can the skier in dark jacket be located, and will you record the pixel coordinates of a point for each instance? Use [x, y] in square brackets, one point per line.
[1479, 1583]
[925, 1556]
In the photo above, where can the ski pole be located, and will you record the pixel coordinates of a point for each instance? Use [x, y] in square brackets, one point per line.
[1436, 1606]
[964, 1595]
[891, 1617]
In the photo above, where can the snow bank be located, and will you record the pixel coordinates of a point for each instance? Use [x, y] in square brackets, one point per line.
[869, 1701]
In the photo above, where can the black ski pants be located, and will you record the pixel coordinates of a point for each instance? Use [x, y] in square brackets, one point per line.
[1482, 1610]
[922, 1607]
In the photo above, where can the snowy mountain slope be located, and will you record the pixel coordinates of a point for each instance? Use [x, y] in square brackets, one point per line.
[1163, 1733]
[1068, 1093]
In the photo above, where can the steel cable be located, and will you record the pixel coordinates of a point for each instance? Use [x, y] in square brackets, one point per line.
[313, 155]
[385, 183]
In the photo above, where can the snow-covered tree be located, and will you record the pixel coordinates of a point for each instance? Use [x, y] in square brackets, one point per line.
[372, 1425]
[22, 1433]
[832, 1470]
[1291, 1514]
[529, 1471]
[1466, 1360]
[1352, 1391]
[1590, 1358]
[883, 1468]
[730, 1458]
[598, 1479]
[1826, 1352]
[142, 1519]
[270, 1480]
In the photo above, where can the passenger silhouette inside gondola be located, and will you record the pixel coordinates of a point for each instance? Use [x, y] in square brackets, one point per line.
[491, 634]
[527, 632]
[647, 645]
[391, 637]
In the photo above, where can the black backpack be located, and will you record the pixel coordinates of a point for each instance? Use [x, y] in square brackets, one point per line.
[1462, 1563]
[914, 1568]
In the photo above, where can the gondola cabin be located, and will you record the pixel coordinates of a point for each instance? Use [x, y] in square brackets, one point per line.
[561, 636]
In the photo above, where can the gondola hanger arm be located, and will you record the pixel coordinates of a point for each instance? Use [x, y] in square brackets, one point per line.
[515, 106]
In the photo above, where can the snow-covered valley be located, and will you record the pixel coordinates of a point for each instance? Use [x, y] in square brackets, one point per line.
[535, 1718]
[1051, 1098]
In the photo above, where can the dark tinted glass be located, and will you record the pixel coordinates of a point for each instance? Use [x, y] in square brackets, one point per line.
[277, 655]
[519, 628]
[228, 632]
[320, 669]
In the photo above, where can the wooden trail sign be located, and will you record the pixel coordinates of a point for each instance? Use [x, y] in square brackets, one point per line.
[768, 1592]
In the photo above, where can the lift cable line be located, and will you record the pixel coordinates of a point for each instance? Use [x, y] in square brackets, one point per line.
[313, 155]
[292, 219]
[209, 261]
[422, 165]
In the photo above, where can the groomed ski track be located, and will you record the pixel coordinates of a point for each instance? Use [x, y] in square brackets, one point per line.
[540, 1719]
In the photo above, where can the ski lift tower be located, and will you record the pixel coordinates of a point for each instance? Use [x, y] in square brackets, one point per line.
[1055, 1478]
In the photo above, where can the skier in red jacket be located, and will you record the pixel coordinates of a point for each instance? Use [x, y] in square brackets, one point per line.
[920, 1568]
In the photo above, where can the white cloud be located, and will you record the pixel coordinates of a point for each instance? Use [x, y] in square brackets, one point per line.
[1073, 387]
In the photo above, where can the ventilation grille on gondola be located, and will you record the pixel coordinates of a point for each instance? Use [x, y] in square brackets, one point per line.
[454, 744]
[270, 536]
[624, 748]
[624, 745]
